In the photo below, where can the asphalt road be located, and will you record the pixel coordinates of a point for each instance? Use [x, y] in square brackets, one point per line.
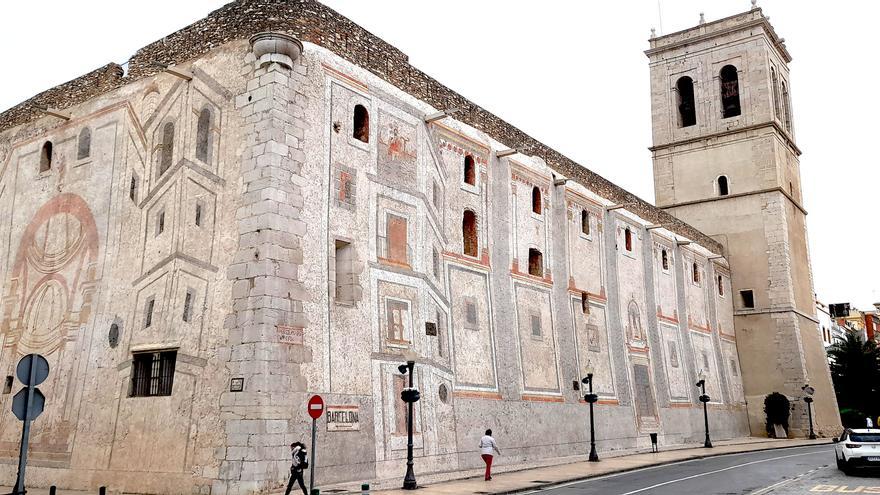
[783, 472]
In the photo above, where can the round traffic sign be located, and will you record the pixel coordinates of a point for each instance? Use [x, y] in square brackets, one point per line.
[40, 367]
[20, 405]
[316, 406]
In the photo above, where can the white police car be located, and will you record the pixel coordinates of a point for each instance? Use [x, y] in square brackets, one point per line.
[857, 448]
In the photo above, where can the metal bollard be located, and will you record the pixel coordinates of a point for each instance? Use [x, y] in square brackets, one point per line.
[365, 489]
[52, 490]
[102, 490]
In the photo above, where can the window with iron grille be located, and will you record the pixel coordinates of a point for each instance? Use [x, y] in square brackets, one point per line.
[152, 373]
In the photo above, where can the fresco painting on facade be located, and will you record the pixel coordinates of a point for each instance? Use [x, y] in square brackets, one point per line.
[297, 229]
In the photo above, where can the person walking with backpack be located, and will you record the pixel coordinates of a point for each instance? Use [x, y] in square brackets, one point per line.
[299, 464]
[487, 448]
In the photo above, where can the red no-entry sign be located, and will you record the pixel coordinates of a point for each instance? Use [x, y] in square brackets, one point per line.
[316, 406]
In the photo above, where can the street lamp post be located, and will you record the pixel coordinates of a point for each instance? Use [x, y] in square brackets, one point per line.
[705, 400]
[409, 395]
[809, 391]
[591, 399]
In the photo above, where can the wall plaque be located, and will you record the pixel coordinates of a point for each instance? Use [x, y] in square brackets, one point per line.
[236, 384]
[289, 335]
[343, 418]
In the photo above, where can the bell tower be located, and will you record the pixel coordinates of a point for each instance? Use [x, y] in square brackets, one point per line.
[726, 161]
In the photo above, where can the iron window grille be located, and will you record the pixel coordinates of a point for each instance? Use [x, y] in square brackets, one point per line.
[152, 373]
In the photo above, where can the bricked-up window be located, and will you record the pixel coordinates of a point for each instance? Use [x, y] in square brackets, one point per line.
[46, 157]
[469, 233]
[664, 259]
[687, 112]
[536, 326]
[133, 188]
[441, 339]
[585, 222]
[720, 286]
[84, 144]
[695, 271]
[203, 136]
[345, 190]
[729, 91]
[747, 298]
[167, 148]
[148, 312]
[585, 303]
[628, 239]
[188, 301]
[470, 314]
[436, 195]
[395, 312]
[347, 287]
[723, 190]
[152, 373]
[361, 130]
[536, 263]
[470, 170]
[435, 257]
[396, 239]
[400, 406]
[536, 200]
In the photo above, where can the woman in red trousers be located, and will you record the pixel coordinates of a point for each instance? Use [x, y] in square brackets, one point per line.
[487, 448]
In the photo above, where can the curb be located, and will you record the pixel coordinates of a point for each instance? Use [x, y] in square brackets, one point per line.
[656, 464]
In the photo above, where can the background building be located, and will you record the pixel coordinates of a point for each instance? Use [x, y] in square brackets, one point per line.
[725, 161]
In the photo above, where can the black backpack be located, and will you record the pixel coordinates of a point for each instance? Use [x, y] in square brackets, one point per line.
[303, 459]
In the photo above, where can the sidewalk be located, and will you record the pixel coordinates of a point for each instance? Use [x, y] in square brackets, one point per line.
[514, 479]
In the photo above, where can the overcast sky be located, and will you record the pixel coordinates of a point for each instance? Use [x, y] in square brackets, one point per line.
[571, 74]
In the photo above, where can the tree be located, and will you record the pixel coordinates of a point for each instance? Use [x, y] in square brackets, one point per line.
[855, 370]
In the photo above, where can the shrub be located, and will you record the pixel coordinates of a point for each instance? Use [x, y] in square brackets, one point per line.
[777, 408]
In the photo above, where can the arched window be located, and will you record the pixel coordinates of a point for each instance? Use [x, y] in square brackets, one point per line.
[786, 108]
[687, 112]
[470, 171]
[696, 273]
[628, 238]
[84, 144]
[775, 89]
[46, 157]
[729, 92]
[585, 222]
[203, 136]
[723, 190]
[536, 200]
[720, 286]
[664, 258]
[536, 263]
[167, 148]
[361, 130]
[469, 233]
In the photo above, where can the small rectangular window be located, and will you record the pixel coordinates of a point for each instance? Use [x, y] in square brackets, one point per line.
[7, 386]
[133, 188]
[148, 312]
[160, 222]
[152, 373]
[187, 305]
[198, 214]
[748, 299]
[436, 197]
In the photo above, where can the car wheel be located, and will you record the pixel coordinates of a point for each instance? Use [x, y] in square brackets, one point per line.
[840, 464]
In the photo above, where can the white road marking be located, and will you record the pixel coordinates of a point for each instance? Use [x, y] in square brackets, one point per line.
[782, 483]
[700, 475]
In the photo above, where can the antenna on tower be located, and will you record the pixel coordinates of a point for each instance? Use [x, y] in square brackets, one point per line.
[660, 16]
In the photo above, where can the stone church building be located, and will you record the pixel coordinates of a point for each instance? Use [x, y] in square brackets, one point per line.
[273, 203]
